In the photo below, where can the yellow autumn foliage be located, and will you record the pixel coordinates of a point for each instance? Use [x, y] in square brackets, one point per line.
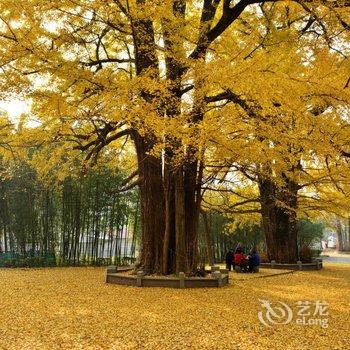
[73, 308]
[270, 95]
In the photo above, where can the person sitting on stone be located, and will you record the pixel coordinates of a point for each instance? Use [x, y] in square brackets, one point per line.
[240, 262]
[253, 261]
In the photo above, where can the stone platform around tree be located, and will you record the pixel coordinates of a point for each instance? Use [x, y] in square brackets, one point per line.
[218, 278]
[315, 265]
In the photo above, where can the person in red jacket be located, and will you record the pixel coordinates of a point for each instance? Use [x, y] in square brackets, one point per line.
[240, 260]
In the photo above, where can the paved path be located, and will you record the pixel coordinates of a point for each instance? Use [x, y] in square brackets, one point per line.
[337, 259]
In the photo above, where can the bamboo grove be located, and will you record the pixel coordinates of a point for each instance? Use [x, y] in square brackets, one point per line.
[78, 223]
[244, 97]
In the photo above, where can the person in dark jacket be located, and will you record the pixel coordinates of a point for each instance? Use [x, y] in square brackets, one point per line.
[253, 260]
[229, 259]
[239, 248]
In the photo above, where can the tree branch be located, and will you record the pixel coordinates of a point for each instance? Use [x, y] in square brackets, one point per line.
[125, 188]
[107, 60]
[130, 177]
[231, 96]
[230, 14]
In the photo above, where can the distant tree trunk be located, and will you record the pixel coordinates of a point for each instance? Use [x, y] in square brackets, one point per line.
[5, 239]
[278, 209]
[207, 238]
[340, 241]
[347, 240]
[135, 228]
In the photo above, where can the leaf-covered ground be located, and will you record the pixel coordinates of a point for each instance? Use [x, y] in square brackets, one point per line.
[72, 308]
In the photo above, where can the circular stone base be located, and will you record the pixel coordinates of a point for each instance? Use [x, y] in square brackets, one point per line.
[315, 265]
[216, 280]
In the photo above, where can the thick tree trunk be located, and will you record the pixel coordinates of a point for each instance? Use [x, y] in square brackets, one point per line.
[279, 220]
[169, 213]
[169, 216]
[180, 222]
[169, 257]
[152, 201]
[152, 207]
[192, 180]
[169, 200]
[181, 219]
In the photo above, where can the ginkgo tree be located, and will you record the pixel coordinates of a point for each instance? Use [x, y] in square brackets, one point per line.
[289, 108]
[150, 72]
